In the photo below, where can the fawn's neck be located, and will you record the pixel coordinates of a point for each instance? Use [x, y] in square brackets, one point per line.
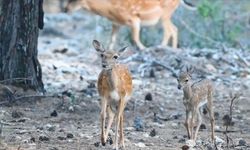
[188, 92]
[110, 79]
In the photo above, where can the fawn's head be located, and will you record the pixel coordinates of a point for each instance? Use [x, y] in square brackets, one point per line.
[184, 77]
[109, 57]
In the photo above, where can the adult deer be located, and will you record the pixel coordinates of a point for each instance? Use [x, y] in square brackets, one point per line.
[115, 89]
[195, 96]
[135, 13]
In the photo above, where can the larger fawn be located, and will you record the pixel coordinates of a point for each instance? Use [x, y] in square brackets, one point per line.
[195, 96]
[135, 13]
[115, 89]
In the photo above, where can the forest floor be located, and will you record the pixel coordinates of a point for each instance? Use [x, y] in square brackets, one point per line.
[68, 117]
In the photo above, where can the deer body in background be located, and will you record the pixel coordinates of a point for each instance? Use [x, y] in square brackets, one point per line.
[195, 96]
[115, 89]
[135, 13]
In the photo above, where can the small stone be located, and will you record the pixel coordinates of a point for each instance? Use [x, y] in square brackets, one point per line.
[182, 140]
[54, 114]
[148, 97]
[53, 148]
[216, 115]
[152, 73]
[32, 139]
[21, 120]
[203, 127]
[97, 144]
[43, 138]
[140, 144]
[152, 133]
[70, 135]
[71, 108]
[91, 85]
[242, 142]
[175, 137]
[16, 114]
[61, 138]
[185, 147]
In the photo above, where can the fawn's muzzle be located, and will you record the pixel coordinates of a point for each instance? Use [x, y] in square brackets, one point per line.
[179, 87]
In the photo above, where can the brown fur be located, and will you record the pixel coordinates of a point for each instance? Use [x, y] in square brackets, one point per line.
[195, 96]
[115, 88]
[135, 13]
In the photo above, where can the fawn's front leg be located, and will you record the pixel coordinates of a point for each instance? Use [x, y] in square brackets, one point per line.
[211, 115]
[111, 116]
[103, 117]
[199, 123]
[187, 123]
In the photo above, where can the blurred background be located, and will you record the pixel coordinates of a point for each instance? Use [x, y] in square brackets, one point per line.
[214, 22]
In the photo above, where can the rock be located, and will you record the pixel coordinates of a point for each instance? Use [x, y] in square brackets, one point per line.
[152, 133]
[152, 73]
[242, 142]
[32, 139]
[185, 147]
[140, 144]
[216, 115]
[53, 148]
[50, 127]
[16, 114]
[219, 140]
[227, 120]
[43, 138]
[91, 85]
[70, 135]
[54, 114]
[149, 97]
[61, 138]
[203, 127]
[67, 93]
[97, 144]
[71, 108]
[182, 140]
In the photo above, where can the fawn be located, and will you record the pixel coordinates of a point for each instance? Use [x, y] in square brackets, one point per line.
[135, 13]
[195, 96]
[115, 88]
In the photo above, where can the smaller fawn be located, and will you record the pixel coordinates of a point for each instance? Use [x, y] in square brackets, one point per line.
[195, 96]
[115, 89]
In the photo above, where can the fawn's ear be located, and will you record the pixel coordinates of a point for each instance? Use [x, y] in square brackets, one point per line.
[98, 46]
[190, 70]
[122, 50]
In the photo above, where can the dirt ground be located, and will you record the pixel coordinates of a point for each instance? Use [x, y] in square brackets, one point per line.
[67, 118]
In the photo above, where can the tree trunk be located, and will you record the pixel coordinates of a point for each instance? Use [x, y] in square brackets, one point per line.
[20, 21]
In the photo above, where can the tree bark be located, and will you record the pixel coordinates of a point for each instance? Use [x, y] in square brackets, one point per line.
[20, 21]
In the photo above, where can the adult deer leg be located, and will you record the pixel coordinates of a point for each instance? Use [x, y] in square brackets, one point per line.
[115, 29]
[136, 32]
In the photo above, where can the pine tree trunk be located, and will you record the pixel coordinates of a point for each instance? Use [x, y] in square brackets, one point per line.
[20, 21]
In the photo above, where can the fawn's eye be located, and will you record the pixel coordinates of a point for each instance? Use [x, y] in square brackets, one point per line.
[101, 55]
[115, 57]
[186, 80]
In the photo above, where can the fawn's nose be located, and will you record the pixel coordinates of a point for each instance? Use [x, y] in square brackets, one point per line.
[179, 87]
[104, 66]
